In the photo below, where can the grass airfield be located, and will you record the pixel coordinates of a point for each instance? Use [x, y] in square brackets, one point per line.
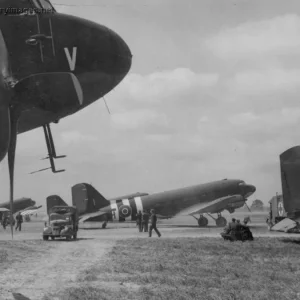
[120, 263]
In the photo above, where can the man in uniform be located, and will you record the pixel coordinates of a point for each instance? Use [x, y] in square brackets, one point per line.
[19, 219]
[153, 219]
[232, 225]
[145, 221]
[139, 220]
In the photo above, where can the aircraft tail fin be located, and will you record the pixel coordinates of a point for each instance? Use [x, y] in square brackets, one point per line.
[54, 200]
[87, 199]
[290, 174]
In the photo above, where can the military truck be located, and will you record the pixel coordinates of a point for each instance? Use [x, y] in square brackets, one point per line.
[63, 222]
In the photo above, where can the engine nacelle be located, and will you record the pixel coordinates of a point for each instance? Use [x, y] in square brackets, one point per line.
[125, 211]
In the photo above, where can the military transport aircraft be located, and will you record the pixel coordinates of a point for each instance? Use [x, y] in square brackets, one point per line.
[209, 198]
[26, 206]
[52, 65]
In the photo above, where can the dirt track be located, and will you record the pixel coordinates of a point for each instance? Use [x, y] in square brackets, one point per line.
[57, 269]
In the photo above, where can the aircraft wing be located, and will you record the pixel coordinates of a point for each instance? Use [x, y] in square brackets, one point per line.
[286, 225]
[29, 212]
[214, 206]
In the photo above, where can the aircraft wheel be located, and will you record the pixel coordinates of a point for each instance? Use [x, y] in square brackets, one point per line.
[221, 222]
[202, 222]
[45, 237]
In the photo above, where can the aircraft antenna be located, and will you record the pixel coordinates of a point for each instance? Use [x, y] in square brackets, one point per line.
[106, 105]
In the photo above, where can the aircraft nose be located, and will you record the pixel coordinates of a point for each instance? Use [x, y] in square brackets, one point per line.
[121, 52]
[249, 190]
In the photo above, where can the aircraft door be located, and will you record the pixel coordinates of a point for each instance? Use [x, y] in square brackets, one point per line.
[17, 25]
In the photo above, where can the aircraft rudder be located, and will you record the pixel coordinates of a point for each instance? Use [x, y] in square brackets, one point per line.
[54, 200]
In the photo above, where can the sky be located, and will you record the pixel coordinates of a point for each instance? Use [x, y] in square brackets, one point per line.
[213, 93]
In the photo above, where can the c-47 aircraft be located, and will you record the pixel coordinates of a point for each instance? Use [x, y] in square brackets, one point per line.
[209, 198]
[26, 206]
[52, 65]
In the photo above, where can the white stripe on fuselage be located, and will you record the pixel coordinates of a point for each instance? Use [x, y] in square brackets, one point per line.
[126, 202]
[113, 205]
[139, 204]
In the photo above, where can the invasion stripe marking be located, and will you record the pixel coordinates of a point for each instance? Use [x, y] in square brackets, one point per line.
[115, 213]
[139, 204]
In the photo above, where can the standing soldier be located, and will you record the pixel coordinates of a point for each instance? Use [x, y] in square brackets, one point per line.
[153, 219]
[145, 221]
[139, 220]
[19, 219]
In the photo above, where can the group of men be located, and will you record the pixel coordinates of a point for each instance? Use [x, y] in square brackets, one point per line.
[235, 226]
[142, 221]
[6, 219]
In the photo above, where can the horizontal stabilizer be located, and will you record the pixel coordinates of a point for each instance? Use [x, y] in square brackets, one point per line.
[86, 217]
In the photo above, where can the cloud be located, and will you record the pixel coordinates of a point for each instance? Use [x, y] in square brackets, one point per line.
[163, 85]
[75, 137]
[138, 119]
[265, 81]
[278, 35]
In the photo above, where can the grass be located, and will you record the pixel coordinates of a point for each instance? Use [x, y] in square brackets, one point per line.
[193, 268]
[16, 251]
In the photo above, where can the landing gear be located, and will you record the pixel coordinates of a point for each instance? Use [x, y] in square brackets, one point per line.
[51, 150]
[221, 222]
[202, 221]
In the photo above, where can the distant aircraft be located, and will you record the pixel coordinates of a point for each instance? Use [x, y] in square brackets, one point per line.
[209, 198]
[52, 66]
[26, 206]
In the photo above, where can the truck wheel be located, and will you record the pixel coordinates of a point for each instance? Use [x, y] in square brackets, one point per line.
[75, 236]
[45, 237]
[53, 238]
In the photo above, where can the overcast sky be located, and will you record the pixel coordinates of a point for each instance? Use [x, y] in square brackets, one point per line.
[213, 93]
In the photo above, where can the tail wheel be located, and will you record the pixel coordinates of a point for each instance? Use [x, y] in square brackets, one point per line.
[221, 222]
[202, 222]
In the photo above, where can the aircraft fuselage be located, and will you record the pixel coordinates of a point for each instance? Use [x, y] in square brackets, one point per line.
[168, 204]
[43, 47]
[19, 204]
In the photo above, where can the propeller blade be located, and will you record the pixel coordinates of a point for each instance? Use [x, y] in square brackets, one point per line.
[4, 129]
[247, 206]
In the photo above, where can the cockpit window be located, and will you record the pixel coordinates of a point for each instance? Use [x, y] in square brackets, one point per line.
[46, 4]
[36, 3]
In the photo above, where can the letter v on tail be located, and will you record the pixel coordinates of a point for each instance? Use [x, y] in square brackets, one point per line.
[71, 60]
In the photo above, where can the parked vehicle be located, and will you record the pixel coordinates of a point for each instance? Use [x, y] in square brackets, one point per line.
[63, 222]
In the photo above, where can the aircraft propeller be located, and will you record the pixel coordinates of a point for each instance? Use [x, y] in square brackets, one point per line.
[247, 205]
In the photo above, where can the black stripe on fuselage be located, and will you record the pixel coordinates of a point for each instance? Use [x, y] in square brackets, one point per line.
[134, 208]
[119, 204]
